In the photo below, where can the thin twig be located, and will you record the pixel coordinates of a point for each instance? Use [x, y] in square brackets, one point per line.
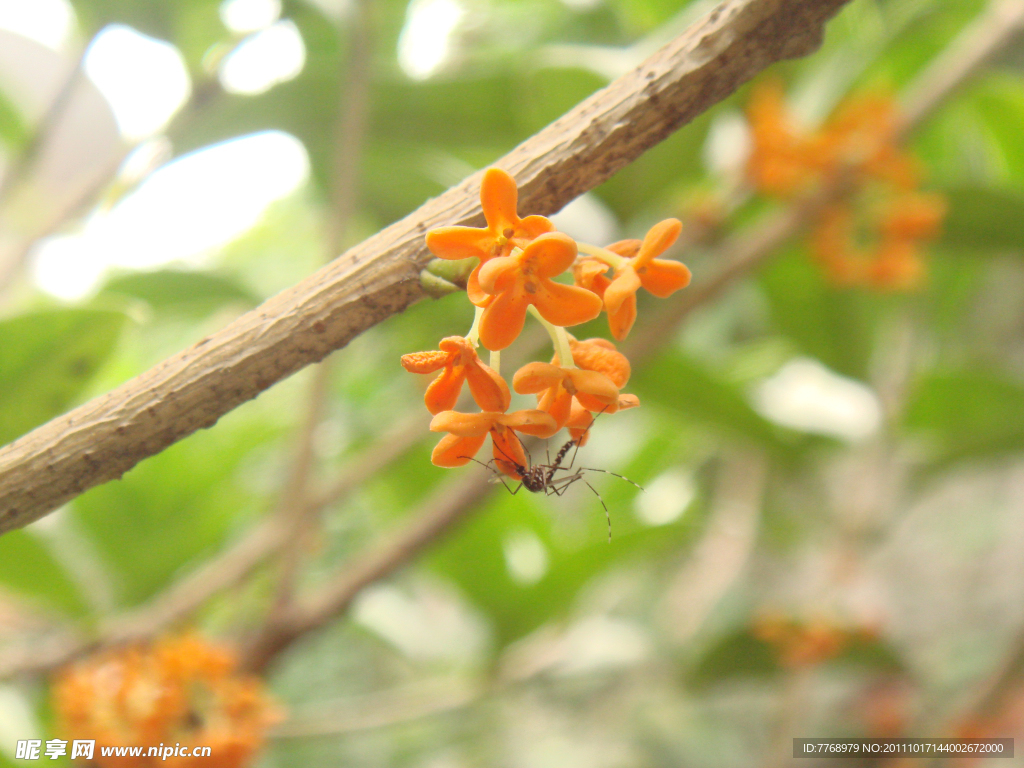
[998, 25]
[349, 134]
[722, 553]
[446, 507]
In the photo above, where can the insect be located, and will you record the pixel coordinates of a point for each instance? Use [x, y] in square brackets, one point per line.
[542, 478]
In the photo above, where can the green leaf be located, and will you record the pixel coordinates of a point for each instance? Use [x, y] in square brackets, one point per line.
[739, 655]
[968, 415]
[170, 290]
[743, 655]
[179, 505]
[833, 325]
[984, 218]
[27, 567]
[46, 360]
[682, 384]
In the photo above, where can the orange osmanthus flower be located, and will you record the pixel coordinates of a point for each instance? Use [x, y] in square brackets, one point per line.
[914, 216]
[782, 160]
[660, 277]
[602, 356]
[182, 689]
[460, 362]
[862, 135]
[467, 432]
[524, 278]
[593, 356]
[897, 266]
[504, 230]
[556, 388]
[893, 261]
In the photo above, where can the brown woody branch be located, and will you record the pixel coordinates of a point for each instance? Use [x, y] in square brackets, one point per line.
[106, 437]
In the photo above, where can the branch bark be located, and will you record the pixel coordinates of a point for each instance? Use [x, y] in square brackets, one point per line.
[106, 437]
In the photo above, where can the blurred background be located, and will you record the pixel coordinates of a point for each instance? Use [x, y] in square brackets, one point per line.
[831, 537]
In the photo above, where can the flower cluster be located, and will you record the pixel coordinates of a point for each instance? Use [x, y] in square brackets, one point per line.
[807, 643]
[179, 690]
[872, 238]
[518, 261]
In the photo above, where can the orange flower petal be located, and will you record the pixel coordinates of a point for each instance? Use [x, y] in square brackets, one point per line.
[489, 390]
[503, 319]
[597, 341]
[627, 248]
[557, 403]
[579, 424]
[474, 292]
[458, 345]
[594, 390]
[498, 197]
[590, 274]
[460, 242]
[531, 422]
[550, 254]
[601, 355]
[663, 278]
[443, 392]
[508, 451]
[534, 226]
[628, 401]
[621, 321]
[625, 284]
[455, 451]
[536, 377]
[424, 362]
[566, 305]
[463, 424]
[658, 240]
[498, 274]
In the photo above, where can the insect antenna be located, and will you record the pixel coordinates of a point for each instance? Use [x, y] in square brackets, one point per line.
[582, 438]
[613, 474]
[607, 514]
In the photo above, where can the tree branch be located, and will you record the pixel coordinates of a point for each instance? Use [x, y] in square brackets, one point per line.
[104, 438]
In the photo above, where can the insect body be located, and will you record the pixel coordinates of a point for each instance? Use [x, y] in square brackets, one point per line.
[542, 478]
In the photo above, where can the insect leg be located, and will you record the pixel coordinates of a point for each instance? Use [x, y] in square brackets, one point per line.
[497, 474]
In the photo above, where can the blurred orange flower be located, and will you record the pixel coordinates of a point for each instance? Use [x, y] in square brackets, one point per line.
[460, 362]
[180, 690]
[524, 278]
[781, 159]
